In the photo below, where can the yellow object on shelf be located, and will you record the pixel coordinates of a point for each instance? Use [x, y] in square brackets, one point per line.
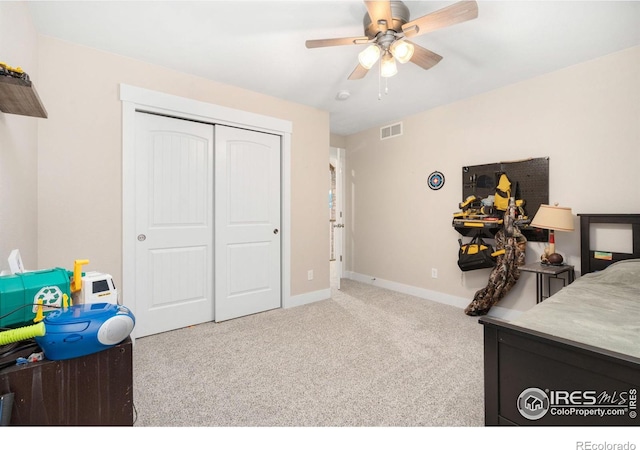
[39, 313]
[8, 68]
[76, 283]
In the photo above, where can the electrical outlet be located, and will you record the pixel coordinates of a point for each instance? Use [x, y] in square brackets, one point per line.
[434, 273]
[310, 275]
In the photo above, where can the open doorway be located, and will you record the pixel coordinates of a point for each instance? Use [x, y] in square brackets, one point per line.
[332, 211]
[336, 215]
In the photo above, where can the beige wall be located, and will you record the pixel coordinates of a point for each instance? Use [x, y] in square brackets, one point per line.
[80, 158]
[18, 143]
[335, 140]
[585, 118]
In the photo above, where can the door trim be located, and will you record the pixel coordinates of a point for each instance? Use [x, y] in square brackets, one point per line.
[139, 99]
[340, 189]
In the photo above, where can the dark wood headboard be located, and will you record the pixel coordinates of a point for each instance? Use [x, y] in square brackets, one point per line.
[588, 261]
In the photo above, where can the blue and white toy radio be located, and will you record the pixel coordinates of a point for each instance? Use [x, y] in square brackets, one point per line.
[84, 329]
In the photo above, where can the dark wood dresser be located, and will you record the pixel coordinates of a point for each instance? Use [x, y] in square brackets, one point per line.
[91, 390]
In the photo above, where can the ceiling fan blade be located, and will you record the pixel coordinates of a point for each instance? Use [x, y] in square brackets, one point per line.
[380, 11]
[424, 58]
[450, 15]
[359, 72]
[315, 43]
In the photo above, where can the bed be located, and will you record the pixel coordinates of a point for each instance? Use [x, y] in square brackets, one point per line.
[573, 359]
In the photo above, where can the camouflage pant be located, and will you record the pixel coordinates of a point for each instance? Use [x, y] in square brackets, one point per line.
[503, 276]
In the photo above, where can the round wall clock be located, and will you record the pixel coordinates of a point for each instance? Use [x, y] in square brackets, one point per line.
[436, 180]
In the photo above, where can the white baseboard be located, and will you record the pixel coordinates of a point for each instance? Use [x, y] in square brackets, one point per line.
[427, 294]
[309, 297]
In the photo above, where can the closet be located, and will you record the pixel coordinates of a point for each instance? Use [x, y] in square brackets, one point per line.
[205, 220]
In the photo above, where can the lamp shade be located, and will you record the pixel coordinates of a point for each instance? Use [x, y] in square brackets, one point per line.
[555, 218]
[369, 56]
[402, 50]
[388, 66]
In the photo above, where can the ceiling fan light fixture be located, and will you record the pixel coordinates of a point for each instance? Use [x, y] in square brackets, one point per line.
[369, 56]
[388, 66]
[403, 51]
[386, 24]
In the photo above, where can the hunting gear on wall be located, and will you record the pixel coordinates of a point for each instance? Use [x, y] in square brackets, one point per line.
[510, 254]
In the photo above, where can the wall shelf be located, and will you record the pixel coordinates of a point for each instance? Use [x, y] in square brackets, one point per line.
[18, 96]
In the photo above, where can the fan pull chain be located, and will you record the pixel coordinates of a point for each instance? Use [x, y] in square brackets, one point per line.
[386, 82]
[379, 81]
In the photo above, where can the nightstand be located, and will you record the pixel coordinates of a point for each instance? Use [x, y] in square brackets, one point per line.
[546, 271]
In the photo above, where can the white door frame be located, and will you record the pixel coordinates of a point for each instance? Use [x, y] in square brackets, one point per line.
[338, 158]
[139, 99]
[340, 203]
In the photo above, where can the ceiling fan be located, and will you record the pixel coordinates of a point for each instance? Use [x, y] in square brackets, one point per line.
[387, 24]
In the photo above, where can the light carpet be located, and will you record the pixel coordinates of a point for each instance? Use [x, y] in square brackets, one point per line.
[367, 357]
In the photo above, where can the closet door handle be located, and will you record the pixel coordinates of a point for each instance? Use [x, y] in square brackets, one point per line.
[276, 231]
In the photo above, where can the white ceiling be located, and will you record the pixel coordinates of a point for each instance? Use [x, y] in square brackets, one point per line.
[260, 45]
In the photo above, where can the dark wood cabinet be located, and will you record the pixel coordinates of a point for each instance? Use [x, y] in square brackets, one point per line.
[91, 390]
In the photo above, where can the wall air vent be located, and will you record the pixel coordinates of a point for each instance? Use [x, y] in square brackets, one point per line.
[391, 131]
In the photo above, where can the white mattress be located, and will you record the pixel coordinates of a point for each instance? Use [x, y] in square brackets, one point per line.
[601, 309]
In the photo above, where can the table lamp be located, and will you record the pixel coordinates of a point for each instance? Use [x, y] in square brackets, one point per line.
[553, 218]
